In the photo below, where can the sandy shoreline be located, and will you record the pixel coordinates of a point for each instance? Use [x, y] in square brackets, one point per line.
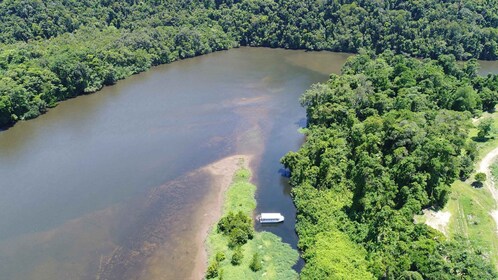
[222, 173]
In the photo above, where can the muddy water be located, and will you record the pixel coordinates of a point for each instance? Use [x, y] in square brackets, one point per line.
[100, 184]
[488, 67]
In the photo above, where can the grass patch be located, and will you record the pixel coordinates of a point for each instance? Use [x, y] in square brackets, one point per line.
[470, 207]
[277, 258]
[240, 195]
[470, 217]
[494, 170]
[492, 141]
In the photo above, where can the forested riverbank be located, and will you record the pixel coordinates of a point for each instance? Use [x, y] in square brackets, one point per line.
[112, 170]
[386, 139]
[51, 51]
[235, 250]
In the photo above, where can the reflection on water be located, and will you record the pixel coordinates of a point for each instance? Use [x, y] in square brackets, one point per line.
[105, 186]
[322, 62]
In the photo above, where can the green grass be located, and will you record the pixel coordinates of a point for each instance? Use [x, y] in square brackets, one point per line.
[470, 217]
[492, 142]
[470, 207]
[240, 195]
[494, 170]
[277, 257]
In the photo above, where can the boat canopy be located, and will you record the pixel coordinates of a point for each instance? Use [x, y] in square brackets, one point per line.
[270, 216]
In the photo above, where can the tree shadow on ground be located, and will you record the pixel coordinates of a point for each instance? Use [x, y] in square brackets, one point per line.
[477, 184]
[481, 139]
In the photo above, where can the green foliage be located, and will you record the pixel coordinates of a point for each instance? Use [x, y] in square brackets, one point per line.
[237, 256]
[240, 197]
[335, 256]
[92, 44]
[51, 51]
[238, 227]
[480, 177]
[465, 99]
[484, 128]
[255, 264]
[220, 256]
[385, 139]
[489, 98]
[410, 275]
[421, 28]
[460, 257]
[277, 256]
[213, 270]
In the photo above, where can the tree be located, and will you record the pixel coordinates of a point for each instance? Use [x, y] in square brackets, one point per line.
[238, 228]
[489, 98]
[465, 99]
[5, 111]
[370, 163]
[410, 275]
[480, 177]
[484, 128]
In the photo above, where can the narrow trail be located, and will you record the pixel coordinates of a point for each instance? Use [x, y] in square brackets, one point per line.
[484, 167]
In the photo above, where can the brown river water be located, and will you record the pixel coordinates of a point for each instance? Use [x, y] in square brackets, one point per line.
[109, 185]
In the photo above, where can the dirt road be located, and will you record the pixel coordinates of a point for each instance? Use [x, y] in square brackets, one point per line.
[484, 167]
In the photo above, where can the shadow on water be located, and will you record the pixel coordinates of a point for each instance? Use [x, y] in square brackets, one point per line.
[302, 123]
[284, 172]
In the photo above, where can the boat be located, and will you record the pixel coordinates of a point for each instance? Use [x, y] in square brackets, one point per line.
[267, 218]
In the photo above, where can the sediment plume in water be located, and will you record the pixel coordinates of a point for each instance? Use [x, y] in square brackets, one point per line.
[161, 245]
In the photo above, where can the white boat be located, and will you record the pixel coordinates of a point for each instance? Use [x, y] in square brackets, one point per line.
[266, 218]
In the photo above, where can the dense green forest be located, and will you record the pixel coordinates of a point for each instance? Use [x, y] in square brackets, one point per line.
[54, 50]
[384, 140]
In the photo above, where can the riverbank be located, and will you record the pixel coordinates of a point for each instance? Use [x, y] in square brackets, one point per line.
[273, 258]
[144, 136]
[222, 173]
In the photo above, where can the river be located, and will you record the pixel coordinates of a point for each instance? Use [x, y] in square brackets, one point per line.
[101, 183]
[108, 185]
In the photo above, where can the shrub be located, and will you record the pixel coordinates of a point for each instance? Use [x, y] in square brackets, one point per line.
[220, 274]
[220, 256]
[255, 263]
[237, 256]
[212, 270]
[237, 237]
